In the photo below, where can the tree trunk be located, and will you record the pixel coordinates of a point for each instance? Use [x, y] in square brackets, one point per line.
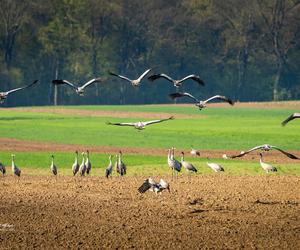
[242, 68]
[276, 82]
[55, 86]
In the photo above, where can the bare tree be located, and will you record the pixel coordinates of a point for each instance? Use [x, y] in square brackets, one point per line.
[12, 15]
[282, 22]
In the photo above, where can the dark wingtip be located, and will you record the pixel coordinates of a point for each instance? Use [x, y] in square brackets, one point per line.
[231, 102]
[173, 96]
[57, 81]
[152, 78]
[201, 82]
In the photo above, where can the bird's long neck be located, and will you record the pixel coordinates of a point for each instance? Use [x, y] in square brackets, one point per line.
[261, 158]
[208, 159]
[83, 159]
[182, 157]
[120, 157]
[169, 154]
[76, 158]
[52, 162]
[172, 154]
[13, 161]
[110, 160]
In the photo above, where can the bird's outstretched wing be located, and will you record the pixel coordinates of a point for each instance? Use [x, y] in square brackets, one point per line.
[24, 87]
[193, 77]
[246, 152]
[157, 121]
[145, 186]
[179, 94]
[144, 74]
[91, 82]
[122, 77]
[221, 98]
[157, 76]
[286, 153]
[290, 118]
[60, 82]
[121, 124]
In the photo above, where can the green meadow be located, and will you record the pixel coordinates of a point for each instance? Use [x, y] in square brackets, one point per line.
[212, 128]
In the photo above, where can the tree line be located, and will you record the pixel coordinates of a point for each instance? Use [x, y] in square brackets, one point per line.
[247, 50]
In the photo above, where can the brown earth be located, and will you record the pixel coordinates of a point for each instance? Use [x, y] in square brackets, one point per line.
[210, 212]
[106, 113]
[15, 145]
[258, 105]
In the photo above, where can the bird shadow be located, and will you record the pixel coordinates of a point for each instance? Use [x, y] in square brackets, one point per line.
[275, 202]
[197, 211]
[197, 201]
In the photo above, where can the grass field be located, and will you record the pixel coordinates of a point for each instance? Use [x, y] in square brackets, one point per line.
[222, 128]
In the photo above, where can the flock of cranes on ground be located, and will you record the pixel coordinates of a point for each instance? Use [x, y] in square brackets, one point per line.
[149, 184]
[174, 164]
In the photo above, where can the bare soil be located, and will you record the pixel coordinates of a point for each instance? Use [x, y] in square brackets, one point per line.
[259, 105]
[106, 113]
[210, 212]
[14, 145]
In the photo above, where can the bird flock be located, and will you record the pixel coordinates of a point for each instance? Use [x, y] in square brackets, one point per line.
[120, 168]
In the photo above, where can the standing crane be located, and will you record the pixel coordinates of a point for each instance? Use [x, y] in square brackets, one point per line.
[53, 167]
[173, 163]
[108, 170]
[2, 169]
[267, 167]
[82, 168]
[188, 166]
[14, 167]
[88, 163]
[214, 166]
[75, 167]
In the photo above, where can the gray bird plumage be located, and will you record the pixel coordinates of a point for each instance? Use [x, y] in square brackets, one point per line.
[78, 89]
[75, 166]
[265, 147]
[5, 94]
[177, 83]
[88, 163]
[53, 167]
[82, 167]
[140, 125]
[135, 82]
[188, 166]
[173, 163]
[199, 103]
[2, 169]
[151, 185]
[267, 167]
[290, 118]
[214, 166]
[14, 167]
[108, 170]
